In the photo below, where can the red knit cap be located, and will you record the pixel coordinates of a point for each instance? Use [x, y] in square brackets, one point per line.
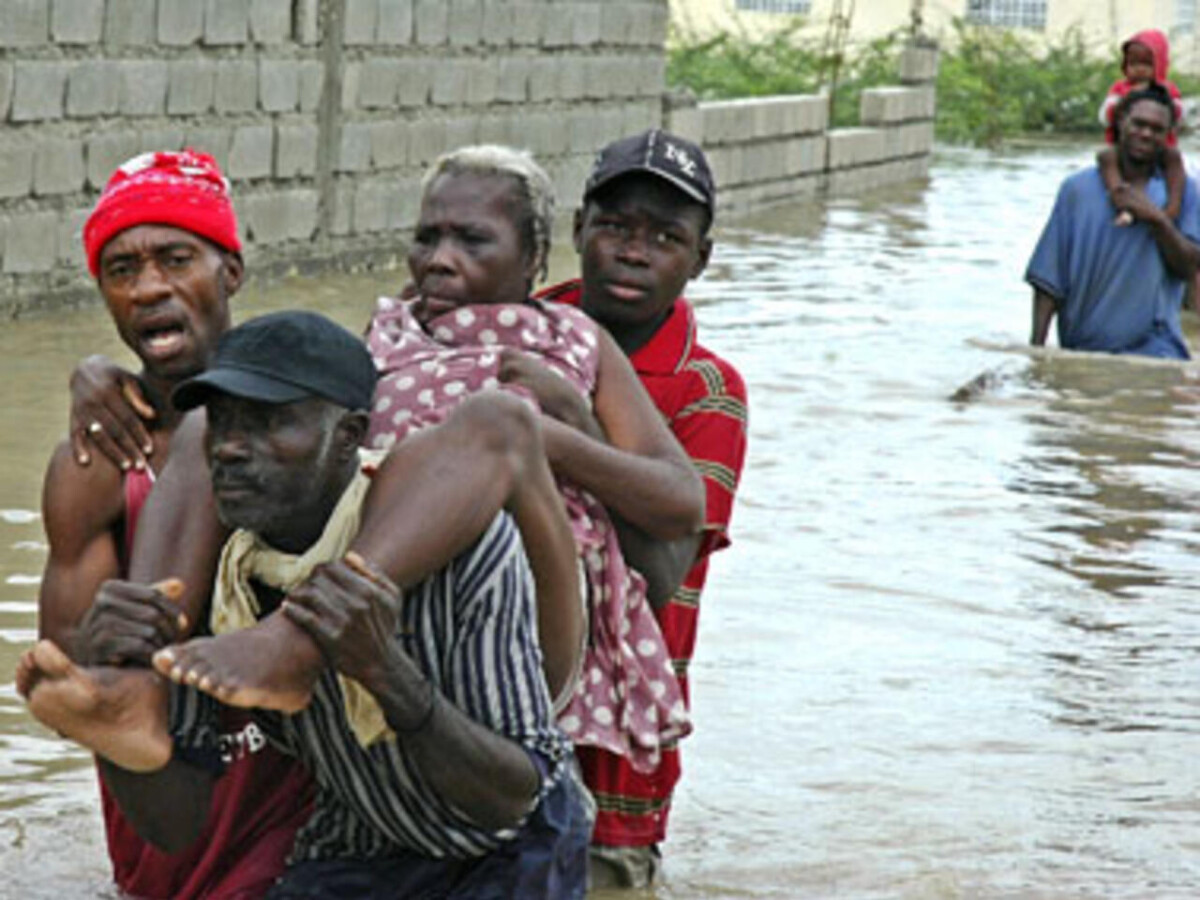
[184, 189]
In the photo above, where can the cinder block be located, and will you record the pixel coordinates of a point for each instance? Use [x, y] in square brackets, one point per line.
[190, 85]
[351, 80]
[303, 210]
[527, 24]
[343, 210]
[415, 78]
[296, 150]
[76, 21]
[481, 81]
[24, 23]
[597, 83]
[370, 208]
[389, 144]
[226, 22]
[93, 89]
[502, 129]
[449, 88]
[312, 85]
[891, 105]
[270, 21]
[354, 148]
[427, 140]
[142, 87]
[512, 79]
[252, 151]
[273, 218]
[654, 76]
[432, 22]
[573, 75]
[624, 79]
[687, 122]
[658, 26]
[70, 238]
[16, 169]
[854, 147]
[497, 24]
[404, 204]
[32, 246]
[465, 23]
[236, 87]
[212, 139]
[180, 22]
[395, 22]
[461, 132]
[129, 23]
[380, 83]
[918, 64]
[6, 89]
[39, 90]
[586, 134]
[279, 85]
[543, 79]
[641, 116]
[804, 156]
[169, 137]
[361, 18]
[545, 135]
[307, 21]
[586, 24]
[615, 23]
[104, 152]
[58, 167]
[558, 26]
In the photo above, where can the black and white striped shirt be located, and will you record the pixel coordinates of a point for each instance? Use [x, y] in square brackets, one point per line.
[472, 629]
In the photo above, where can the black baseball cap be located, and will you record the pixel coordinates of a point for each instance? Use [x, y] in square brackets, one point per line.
[660, 153]
[284, 357]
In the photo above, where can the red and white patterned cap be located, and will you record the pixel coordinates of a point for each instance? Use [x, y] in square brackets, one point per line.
[185, 189]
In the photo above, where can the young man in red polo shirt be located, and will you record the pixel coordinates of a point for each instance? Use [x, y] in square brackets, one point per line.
[642, 234]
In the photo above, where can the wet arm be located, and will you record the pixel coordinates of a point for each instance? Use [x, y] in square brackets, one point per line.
[1044, 309]
[104, 393]
[80, 509]
[167, 808]
[641, 474]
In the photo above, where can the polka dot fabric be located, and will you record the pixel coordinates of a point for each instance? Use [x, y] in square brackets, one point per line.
[628, 700]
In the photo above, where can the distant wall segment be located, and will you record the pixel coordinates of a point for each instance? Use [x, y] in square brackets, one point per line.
[324, 113]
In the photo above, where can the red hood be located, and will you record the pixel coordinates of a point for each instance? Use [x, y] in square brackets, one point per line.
[1157, 42]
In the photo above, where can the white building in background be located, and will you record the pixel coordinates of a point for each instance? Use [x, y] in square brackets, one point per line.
[1104, 23]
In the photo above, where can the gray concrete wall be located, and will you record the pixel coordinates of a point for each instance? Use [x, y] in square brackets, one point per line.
[772, 149]
[322, 112]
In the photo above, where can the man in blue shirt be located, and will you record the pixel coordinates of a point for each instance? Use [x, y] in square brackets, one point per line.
[1119, 289]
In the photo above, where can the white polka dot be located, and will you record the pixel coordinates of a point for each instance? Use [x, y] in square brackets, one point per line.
[603, 715]
[487, 336]
[589, 338]
[454, 388]
[387, 304]
[528, 337]
[507, 317]
[596, 676]
[646, 647]
[487, 359]
[430, 365]
[401, 416]
[384, 404]
[489, 383]
[464, 317]
[384, 441]
[658, 689]
[404, 383]
[588, 701]
[569, 724]
[442, 333]
[425, 397]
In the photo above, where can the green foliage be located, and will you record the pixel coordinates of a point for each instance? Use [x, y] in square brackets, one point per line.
[993, 83]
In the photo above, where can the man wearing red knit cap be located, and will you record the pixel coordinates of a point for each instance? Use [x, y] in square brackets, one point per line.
[163, 246]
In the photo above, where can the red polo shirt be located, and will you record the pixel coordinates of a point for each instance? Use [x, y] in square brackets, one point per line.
[703, 399]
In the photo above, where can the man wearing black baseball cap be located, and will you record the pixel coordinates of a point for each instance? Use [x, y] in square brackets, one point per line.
[436, 776]
[642, 234]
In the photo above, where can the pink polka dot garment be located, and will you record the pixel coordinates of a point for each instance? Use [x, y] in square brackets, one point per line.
[628, 700]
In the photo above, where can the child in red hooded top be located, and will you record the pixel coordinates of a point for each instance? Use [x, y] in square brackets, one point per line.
[1144, 59]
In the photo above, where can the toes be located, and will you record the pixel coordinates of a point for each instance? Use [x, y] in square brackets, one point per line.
[47, 656]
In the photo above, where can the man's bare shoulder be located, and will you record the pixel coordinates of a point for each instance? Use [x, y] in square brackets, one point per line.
[85, 497]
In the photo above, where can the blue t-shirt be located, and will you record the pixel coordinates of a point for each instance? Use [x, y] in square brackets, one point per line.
[1115, 292]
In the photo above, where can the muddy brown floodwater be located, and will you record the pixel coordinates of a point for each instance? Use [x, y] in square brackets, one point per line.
[954, 650]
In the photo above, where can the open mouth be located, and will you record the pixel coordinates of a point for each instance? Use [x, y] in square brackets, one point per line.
[164, 340]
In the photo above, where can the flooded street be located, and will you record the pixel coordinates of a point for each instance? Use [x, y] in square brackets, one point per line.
[955, 648]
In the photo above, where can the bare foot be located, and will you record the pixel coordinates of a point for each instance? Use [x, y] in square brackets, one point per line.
[272, 665]
[120, 714]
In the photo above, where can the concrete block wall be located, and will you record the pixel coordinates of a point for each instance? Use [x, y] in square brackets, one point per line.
[770, 149]
[322, 112]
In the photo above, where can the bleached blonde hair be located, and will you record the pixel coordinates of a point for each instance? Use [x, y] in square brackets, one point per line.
[535, 190]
